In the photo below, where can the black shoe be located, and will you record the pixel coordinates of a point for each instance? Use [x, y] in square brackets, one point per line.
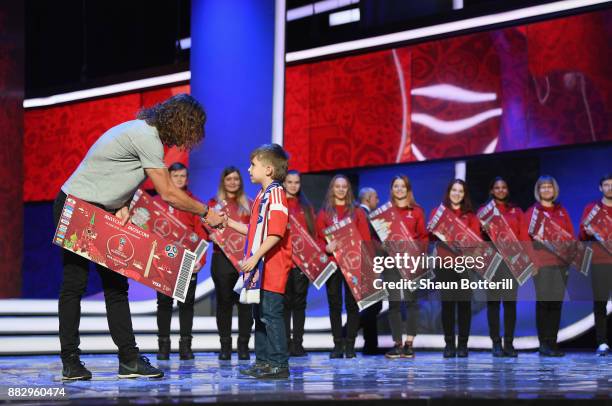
[546, 350]
[509, 350]
[74, 369]
[243, 349]
[449, 351]
[497, 349]
[338, 351]
[462, 351]
[408, 351]
[254, 369]
[395, 352]
[273, 373]
[226, 349]
[163, 353]
[298, 349]
[141, 367]
[349, 349]
[185, 352]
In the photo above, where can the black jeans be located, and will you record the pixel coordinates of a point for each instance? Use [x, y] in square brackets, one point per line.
[164, 311]
[550, 283]
[334, 298]
[270, 336]
[224, 276]
[74, 284]
[399, 327]
[494, 300]
[455, 304]
[295, 304]
[601, 279]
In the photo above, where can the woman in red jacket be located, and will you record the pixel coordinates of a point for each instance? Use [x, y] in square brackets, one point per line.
[413, 216]
[339, 204]
[178, 176]
[499, 193]
[231, 196]
[601, 268]
[297, 283]
[551, 277]
[456, 303]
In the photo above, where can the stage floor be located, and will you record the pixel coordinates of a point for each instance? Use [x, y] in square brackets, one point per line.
[426, 379]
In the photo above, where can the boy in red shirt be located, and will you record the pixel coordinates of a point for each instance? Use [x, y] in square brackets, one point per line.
[267, 262]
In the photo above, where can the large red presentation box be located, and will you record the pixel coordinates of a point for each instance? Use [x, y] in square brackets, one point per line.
[308, 255]
[150, 215]
[145, 257]
[601, 226]
[230, 241]
[356, 261]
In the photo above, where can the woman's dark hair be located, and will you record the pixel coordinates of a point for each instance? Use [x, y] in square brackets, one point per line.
[179, 121]
[466, 203]
[305, 203]
[492, 184]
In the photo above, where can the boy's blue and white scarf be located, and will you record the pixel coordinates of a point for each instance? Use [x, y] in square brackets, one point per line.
[250, 288]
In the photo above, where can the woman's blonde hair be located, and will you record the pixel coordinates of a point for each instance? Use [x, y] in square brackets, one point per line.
[543, 180]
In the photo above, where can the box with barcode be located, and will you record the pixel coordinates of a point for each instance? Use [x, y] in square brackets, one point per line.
[97, 235]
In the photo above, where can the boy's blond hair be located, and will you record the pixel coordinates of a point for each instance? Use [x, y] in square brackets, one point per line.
[275, 156]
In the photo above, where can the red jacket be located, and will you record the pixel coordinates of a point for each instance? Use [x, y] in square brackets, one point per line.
[468, 219]
[600, 255]
[514, 216]
[414, 218]
[192, 221]
[233, 207]
[541, 255]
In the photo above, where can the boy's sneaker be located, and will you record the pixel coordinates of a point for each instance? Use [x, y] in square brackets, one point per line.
[74, 369]
[408, 351]
[395, 352]
[140, 367]
[273, 373]
[255, 368]
[603, 350]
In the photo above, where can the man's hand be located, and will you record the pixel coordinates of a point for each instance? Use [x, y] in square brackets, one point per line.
[123, 214]
[249, 264]
[215, 219]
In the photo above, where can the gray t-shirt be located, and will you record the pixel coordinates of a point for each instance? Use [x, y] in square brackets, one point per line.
[114, 166]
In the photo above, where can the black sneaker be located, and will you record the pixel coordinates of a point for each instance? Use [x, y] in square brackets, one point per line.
[273, 373]
[255, 368]
[462, 351]
[298, 350]
[449, 351]
[509, 350]
[408, 351]
[395, 352]
[74, 369]
[141, 367]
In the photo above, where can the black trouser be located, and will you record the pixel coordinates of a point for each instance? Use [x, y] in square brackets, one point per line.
[455, 304]
[295, 304]
[74, 284]
[164, 311]
[334, 298]
[550, 283]
[601, 279]
[369, 322]
[494, 300]
[224, 276]
[398, 327]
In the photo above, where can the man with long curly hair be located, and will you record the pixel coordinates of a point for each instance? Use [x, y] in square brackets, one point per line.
[114, 167]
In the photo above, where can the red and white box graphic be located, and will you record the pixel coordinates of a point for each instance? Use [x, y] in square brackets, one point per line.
[559, 241]
[150, 215]
[356, 261]
[600, 225]
[397, 239]
[230, 241]
[513, 251]
[308, 255]
[463, 240]
[140, 255]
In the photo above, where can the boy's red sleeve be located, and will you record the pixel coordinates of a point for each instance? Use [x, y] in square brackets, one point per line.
[278, 215]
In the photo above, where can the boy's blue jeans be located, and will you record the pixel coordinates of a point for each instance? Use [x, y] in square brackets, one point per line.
[270, 337]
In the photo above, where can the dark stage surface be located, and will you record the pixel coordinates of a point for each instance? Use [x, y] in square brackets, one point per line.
[579, 378]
